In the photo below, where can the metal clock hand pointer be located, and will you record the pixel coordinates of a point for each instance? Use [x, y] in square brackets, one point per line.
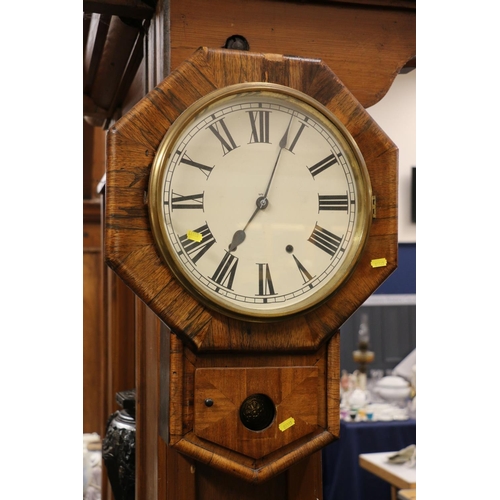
[240, 235]
[262, 201]
[282, 146]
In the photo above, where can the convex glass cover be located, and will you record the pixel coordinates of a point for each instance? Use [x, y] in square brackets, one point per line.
[260, 201]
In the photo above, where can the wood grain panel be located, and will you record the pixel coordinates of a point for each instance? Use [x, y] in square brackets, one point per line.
[305, 479]
[366, 46]
[94, 343]
[120, 322]
[147, 329]
[213, 484]
[294, 392]
[94, 156]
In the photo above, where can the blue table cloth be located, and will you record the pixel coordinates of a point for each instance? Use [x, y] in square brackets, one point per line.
[343, 478]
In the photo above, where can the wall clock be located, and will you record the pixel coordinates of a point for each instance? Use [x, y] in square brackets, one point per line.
[251, 203]
[260, 201]
[192, 164]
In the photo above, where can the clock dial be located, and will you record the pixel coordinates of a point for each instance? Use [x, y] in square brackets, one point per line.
[260, 201]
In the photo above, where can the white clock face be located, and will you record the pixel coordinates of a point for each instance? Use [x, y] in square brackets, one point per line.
[259, 203]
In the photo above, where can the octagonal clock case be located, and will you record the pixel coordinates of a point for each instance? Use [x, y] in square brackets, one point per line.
[251, 204]
[329, 218]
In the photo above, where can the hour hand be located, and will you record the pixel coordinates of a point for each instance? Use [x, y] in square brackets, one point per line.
[238, 238]
[240, 235]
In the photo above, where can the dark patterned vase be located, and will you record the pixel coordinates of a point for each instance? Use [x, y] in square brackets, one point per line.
[118, 447]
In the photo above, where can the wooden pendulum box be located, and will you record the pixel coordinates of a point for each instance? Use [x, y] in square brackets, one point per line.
[247, 394]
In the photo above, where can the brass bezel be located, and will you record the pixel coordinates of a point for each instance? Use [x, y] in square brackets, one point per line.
[361, 179]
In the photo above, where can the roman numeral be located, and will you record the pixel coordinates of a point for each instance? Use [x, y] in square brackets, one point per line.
[204, 169]
[322, 165]
[224, 274]
[333, 202]
[259, 121]
[265, 282]
[196, 249]
[179, 201]
[306, 276]
[325, 240]
[296, 138]
[220, 130]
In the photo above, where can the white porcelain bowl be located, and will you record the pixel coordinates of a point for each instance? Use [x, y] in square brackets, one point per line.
[393, 389]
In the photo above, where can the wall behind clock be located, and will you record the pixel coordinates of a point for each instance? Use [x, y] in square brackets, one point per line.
[396, 115]
[391, 309]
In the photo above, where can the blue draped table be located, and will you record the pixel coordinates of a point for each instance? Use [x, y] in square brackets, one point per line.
[343, 478]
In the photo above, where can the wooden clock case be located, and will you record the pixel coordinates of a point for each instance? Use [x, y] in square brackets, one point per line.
[210, 356]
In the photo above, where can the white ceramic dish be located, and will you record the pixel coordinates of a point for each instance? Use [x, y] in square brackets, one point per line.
[393, 389]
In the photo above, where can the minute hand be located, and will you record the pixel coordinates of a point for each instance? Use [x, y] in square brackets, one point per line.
[262, 202]
[282, 146]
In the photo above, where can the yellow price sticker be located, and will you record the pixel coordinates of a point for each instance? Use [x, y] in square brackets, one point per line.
[289, 422]
[379, 262]
[194, 236]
